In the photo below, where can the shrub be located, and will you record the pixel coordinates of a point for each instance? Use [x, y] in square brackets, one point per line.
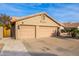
[74, 32]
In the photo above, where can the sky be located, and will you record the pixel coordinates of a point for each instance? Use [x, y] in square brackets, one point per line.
[61, 12]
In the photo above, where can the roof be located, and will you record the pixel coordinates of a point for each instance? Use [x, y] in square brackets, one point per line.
[72, 25]
[26, 17]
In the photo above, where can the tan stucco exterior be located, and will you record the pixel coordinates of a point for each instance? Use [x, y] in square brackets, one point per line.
[37, 26]
[38, 20]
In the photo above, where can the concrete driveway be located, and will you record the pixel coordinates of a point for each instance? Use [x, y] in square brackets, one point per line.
[13, 48]
[40, 47]
[52, 46]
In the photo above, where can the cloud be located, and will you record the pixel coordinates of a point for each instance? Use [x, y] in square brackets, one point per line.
[65, 12]
[6, 7]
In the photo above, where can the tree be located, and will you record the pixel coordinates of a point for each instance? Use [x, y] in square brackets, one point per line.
[5, 20]
[74, 32]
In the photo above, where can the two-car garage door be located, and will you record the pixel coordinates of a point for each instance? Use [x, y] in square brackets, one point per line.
[28, 32]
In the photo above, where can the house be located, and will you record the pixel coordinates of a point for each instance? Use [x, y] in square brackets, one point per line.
[35, 26]
[66, 29]
[71, 25]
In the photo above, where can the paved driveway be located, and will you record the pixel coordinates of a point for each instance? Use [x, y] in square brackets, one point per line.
[40, 47]
[13, 48]
[52, 46]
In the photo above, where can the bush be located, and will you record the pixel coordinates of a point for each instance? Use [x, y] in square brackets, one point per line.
[0, 25]
[63, 30]
[74, 32]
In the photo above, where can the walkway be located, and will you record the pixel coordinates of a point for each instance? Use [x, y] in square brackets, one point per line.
[13, 48]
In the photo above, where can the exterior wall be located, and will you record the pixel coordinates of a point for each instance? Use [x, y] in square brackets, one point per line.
[37, 22]
[1, 32]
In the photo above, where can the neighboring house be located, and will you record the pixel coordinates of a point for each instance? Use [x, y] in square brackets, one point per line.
[68, 26]
[71, 25]
[34, 26]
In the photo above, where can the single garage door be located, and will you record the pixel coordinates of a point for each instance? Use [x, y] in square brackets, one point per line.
[27, 32]
[47, 31]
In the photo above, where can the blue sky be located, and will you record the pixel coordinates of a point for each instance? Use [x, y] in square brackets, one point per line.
[60, 11]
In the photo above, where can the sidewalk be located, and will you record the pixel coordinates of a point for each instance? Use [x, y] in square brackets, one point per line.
[13, 48]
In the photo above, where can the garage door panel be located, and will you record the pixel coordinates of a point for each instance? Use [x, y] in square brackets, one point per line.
[47, 31]
[27, 32]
